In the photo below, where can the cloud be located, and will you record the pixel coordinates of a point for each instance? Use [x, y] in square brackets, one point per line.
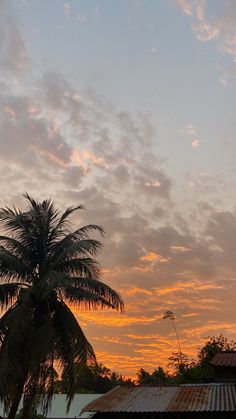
[196, 143]
[13, 55]
[186, 6]
[219, 28]
[153, 257]
[60, 141]
[82, 158]
[200, 10]
[81, 17]
[66, 8]
[181, 249]
[188, 129]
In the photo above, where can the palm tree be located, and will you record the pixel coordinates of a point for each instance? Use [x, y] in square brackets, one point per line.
[170, 315]
[43, 267]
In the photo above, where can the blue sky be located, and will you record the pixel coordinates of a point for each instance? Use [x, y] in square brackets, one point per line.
[128, 106]
[142, 56]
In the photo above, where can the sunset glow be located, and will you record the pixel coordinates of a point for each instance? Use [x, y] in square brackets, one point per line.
[128, 108]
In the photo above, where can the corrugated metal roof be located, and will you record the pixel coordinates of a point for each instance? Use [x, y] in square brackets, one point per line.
[199, 398]
[224, 359]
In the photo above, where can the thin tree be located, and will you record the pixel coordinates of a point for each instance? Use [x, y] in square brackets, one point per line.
[43, 267]
[170, 315]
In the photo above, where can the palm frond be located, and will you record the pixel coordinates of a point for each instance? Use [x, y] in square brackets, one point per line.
[77, 289]
[83, 247]
[86, 247]
[99, 289]
[41, 382]
[86, 299]
[72, 345]
[71, 238]
[62, 222]
[9, 293]
[88, 292]
[14, 330]
[10, 218]
[12, 267]
[32, 201]
[86, 267]
[66, 214]
[16, 248]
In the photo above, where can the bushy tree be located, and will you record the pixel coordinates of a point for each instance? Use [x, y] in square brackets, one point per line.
[212, 346]
[186, 370]
[156, 378]
[94, 379]
[200, 370]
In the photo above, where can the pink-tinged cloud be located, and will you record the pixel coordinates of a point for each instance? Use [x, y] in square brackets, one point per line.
[186, 6]
[205, 31]
[154, 257]
[9, 111]
[85, 158]
[180, 249]
[66, 8]
[200, 9]
[196, 143]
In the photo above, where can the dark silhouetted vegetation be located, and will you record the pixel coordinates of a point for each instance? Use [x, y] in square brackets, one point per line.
[94, 379]
[99, 379]
[44, 266]
[186, 370]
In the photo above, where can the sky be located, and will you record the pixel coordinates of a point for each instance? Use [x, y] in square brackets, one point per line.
[128, 107]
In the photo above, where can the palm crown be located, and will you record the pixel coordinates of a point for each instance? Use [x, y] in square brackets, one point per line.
[42, 267]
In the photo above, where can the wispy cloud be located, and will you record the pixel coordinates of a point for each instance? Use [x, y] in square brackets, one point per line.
[220, 28]
[196, 143]
[186, 6]
[189, 130]
[66, 8]
[153, 257]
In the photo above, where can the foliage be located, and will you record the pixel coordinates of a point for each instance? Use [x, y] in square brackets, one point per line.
[200, 371]
[94, 379]
[156, 378]
[188, 371]
[44, 266]
[179, 362]
[212, 346]
[99, 379]
[32, 415]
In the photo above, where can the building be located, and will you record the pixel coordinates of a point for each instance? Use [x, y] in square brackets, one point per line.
[195, 401]
[59, 403]
[224, 365]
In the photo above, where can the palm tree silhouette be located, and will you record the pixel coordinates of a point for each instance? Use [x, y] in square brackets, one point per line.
[170, 315]
[43, 267]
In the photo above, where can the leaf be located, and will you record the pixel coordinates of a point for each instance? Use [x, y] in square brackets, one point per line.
[72, 345]
[9, 293]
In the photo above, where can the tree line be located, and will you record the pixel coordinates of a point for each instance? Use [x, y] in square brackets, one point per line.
[100, 379]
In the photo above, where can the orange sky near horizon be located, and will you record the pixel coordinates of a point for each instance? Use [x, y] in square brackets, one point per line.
[128, 108]
[141, 338]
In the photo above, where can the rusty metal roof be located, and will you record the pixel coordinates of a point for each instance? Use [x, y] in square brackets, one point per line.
[224, 359]
[189, 398]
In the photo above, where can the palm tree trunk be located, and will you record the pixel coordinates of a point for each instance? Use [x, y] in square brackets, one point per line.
[177, 337]
[26, 414]
[27, 408]
[15, 403]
